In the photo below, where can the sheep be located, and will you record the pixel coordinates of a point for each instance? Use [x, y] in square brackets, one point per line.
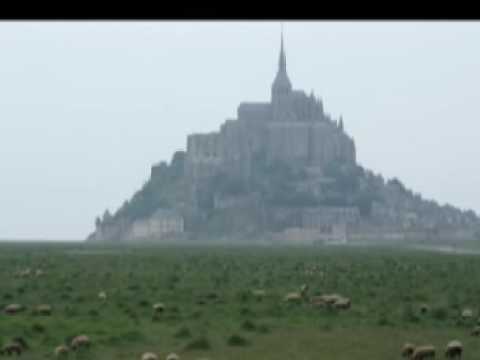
[423, 352]
[454, 349]
[149, 356]
[80, 341]
[24, 273]
[39, 272]
[11, 348]
[475, 331]
[43, 309]
[343, 303]
[467, 314]
[17, 346]
[259, 294]
[61, 350]
[293, 297]
[172, 356]
[158, 307]
[13, 309]
[407, 350]
[102, 295]
[331, 299]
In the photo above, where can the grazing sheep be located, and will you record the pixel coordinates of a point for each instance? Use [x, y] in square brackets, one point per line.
[476, 331]
[61, 350]
[158, 307]
[102, 295]
[80, 341]
[13, 309]
[16, 346]
[24, 273]
[172, 356]
[259, 294]
[343, 303]
[454, 349]
[149, 356]
[330, 299]
[11, 348]
[44, 309]
[467, 314]
[39, 272]
[407, 350]
[424, 352]
[293, 297]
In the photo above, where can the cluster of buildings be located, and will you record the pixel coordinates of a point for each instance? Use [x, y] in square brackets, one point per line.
[291, 128]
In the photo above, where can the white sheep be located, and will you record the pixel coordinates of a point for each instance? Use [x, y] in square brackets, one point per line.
[454, 349]
[158, 307]
[39, 272]
[61, 350]
[424, 352]
[259, 294]
[80, 341]
[467, 314]
[13, 309]
[407, 350]
[293, 297]
[149, 356]
[43, 309]
[172, 356]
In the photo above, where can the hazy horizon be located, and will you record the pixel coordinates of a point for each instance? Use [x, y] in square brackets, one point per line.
[87, 107]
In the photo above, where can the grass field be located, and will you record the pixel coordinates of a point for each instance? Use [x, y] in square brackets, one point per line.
[211, 313]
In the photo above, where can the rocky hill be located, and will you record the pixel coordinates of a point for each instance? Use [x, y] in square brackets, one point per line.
[284, 170]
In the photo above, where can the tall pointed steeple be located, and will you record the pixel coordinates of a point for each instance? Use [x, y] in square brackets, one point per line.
[281, 84]
[282, 61]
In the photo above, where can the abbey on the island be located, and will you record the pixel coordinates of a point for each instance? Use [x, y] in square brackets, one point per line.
[283, 170]
[292, 127]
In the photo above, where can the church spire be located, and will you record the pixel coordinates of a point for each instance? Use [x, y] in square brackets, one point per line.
[281, 84]
[282, 61]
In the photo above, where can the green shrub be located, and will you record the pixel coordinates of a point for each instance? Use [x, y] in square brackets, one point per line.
[248, 325]
[183, 332]
[409, 314]
[144, 303]
[201, 343]
[440, 313]
[237, 340]
[38, 328]
[263, 329]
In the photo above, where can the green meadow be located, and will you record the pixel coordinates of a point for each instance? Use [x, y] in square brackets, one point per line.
[210, 311]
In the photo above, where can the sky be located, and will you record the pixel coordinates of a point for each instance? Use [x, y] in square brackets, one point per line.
[87, 107]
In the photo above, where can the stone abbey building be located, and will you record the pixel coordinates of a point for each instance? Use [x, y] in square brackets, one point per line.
[292, 127]
[225, 183]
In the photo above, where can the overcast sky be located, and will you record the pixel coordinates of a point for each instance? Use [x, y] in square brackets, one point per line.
[87, 107]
